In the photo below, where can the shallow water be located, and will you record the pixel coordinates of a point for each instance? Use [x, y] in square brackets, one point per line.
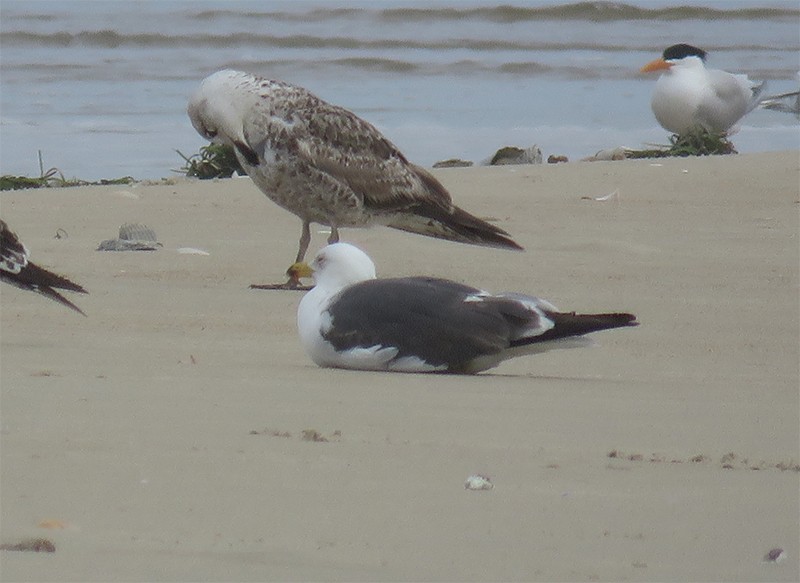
[101, 87]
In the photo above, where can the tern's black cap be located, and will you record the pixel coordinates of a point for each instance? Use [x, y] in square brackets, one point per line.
[683, 50]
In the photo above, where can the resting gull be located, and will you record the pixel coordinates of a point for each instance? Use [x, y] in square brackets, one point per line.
[17, 269]
[350, 319]
[326, 165]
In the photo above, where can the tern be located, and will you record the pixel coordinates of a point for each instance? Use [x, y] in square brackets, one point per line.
[688, 94]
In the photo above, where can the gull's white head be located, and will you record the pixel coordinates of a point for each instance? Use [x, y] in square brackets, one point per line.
[339, 265]
[218, 106]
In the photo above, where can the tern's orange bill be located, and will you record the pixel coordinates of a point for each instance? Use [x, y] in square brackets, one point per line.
[657, 65]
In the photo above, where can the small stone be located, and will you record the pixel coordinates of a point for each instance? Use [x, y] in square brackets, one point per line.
[514, 155]
[774, 555]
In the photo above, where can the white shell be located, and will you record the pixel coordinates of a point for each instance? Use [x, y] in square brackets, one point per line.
[478, 482]
[132, 237]
[137, 232]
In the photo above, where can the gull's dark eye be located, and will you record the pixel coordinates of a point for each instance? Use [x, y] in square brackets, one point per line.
[205, 131]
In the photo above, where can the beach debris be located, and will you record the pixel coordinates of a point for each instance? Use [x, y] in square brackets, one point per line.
[132, 237]
[53, 178]
[478, 482]
[60, 234]
[192, 251]
[313, 435]
[774, 555]
[316, 436]
[556, 159]
[619, 153]
[729, 461]
[508, 155]
[610, 196]
[453, 163]
[271, 432]
[695, 142]
[305, 435]
[34, 545]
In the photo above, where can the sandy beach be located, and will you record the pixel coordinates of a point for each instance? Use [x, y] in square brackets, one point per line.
[180, 433]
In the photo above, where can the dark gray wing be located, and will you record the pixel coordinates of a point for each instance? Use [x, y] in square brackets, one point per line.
[438, 321]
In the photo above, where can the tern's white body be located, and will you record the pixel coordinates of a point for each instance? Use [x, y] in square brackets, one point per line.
[688, 95]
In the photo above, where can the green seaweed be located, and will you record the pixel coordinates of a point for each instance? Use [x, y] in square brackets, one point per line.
[53, 178]
[696, 142]
[212, 161]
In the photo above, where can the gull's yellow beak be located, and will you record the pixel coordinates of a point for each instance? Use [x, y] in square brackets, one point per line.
[657, 65]
[299, 269]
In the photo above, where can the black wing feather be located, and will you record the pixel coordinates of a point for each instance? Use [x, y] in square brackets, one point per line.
[420, 316]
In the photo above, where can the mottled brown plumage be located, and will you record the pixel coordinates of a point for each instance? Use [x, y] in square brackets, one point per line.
[326, 165]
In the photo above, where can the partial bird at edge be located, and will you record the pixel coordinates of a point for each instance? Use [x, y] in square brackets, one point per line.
[16, 269]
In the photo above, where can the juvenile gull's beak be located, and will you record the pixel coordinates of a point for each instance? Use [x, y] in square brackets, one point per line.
[299, 269]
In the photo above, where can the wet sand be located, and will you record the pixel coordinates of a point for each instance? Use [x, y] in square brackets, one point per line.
[180, 433]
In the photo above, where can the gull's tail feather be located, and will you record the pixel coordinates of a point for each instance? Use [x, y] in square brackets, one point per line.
[457, 225]
[447, 221]
[567, 324]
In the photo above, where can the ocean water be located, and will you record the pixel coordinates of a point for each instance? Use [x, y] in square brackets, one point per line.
[100, 87]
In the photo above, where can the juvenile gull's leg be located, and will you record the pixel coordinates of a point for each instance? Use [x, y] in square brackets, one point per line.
[305, 239]
[334, 236]
[293, 283]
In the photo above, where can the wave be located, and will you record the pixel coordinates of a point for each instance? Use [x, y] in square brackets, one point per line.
[467, 68]
[384, 67]
[57, 72]
[589, 11]
[114, 39]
